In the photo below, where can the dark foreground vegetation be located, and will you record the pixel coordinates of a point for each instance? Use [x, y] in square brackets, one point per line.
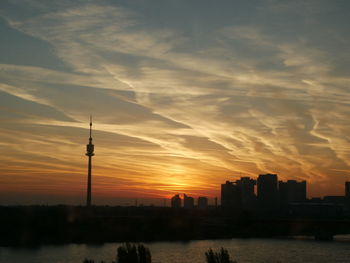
[37, 225]
[131, 253]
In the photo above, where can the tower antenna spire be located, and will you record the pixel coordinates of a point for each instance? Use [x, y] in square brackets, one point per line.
[89, 153]
[90, 126]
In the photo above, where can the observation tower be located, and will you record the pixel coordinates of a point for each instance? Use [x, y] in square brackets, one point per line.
[89, 153]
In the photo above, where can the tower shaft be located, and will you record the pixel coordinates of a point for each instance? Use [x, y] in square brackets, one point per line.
[88, 195]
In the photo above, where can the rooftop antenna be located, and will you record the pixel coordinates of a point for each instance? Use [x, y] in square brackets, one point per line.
[90, 139]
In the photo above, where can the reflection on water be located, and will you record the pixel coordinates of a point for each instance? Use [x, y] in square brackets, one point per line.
[242, 250]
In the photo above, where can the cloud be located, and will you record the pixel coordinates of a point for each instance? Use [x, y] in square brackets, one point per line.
[250, 97]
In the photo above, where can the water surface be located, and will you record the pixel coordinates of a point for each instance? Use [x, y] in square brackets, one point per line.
[241, 250]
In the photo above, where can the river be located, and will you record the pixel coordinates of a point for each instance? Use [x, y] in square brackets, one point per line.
[284, 250]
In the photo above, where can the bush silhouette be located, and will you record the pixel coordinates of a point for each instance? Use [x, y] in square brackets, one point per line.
[91, 261]
[218, 257]
[131, 253]
[128, 253]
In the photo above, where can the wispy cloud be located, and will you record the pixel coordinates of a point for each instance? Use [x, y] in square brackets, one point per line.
[249, 97]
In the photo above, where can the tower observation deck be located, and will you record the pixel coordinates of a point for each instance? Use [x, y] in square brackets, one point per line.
[89, 153]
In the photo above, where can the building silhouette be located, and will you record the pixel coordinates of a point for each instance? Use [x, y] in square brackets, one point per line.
[267, 192]
[188, 202]
[231, 196]
[334, 199]
[176, 201]
[292, 191]
[202, 203]
[89, 153]
[271, 194]
[347, 194]
[247, 190]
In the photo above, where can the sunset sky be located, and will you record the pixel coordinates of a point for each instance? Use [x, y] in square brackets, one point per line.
[184, 95]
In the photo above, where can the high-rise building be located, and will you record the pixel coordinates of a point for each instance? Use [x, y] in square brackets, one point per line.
[347, 193]
[188, 202]
[176, 201]
[248, 195]
[292, 191]
[231, 195]
[202, 203]
[267, 192]
[89, 153]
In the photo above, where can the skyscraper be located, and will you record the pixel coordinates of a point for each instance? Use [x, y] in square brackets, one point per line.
[267, 192]
[231, 195]
[202, 203]
[248, 196]
[347, 194]
[89, 153]
[176, 201]
[292, 191]
[188, 202]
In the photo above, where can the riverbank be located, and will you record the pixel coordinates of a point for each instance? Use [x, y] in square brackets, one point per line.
[34, 226]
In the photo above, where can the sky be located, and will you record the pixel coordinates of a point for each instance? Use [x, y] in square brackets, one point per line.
[184, 96]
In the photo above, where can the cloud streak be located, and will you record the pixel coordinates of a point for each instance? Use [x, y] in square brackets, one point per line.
[247, 98]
